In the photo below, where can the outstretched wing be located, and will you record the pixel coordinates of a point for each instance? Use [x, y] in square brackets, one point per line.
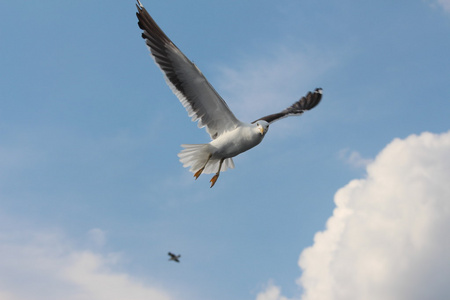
[187, 82]
[305, 103]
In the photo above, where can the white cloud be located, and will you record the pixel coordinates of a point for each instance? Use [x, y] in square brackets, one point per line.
[388, 236]
[272, 292]
[46, 266]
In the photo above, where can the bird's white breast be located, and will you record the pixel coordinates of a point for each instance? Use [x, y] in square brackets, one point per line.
[234, 142]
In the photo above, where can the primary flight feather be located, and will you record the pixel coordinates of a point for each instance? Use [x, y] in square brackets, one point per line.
[230, 136]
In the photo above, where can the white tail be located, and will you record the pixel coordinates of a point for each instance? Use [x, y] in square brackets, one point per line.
[196, 155]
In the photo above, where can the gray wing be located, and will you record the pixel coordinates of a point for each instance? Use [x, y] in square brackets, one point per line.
[305, 103]
[187, 82]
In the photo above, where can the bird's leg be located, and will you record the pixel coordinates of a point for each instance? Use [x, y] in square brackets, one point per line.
[215, 177]
[197, 174]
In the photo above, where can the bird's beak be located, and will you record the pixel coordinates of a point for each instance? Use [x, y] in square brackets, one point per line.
[261, 130]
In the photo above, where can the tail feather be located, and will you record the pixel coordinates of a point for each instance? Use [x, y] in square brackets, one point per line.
[195, 156]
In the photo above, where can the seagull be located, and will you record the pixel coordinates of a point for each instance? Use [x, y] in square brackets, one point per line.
[229, 136]
[174, 257]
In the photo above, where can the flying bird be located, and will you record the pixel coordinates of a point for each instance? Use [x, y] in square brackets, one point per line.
[229, 135]
[174, 257]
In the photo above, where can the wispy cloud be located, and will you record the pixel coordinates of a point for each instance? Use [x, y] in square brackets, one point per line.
[45, 265]
[97, 237]
[267, 84]
[354, 158]
[445, 4]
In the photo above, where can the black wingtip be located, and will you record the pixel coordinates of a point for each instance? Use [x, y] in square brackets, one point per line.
[140, 7]
[307, 102]
[314, 99]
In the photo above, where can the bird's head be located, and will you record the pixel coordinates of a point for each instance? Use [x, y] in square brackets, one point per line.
[262, 126]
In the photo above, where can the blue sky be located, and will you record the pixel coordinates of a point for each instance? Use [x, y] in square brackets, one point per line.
[92, 196]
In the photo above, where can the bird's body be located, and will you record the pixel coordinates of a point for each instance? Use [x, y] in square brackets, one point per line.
[239, 140]
[217, 155]
[230, 136]
[174, 257]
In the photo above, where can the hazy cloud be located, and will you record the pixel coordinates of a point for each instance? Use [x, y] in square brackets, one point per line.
[353, 158]
[36, 265]
[267, 84]
[445, 4]
[388, 236]
[97, 236]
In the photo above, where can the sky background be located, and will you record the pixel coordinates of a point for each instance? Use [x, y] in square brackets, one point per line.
[349, 201]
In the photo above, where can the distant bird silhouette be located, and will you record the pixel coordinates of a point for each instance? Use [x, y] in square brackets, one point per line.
[174, 257]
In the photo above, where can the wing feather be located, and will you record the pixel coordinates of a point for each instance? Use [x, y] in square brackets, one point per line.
[305, 103]
[201, 101]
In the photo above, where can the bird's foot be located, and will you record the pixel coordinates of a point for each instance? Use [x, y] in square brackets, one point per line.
[198, 173]
[214, 179]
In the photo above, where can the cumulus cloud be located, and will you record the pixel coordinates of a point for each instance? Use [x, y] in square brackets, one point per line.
[388, 235]
[36, 265]
[272, 292]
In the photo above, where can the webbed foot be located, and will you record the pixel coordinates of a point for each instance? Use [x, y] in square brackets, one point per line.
[214, 179]
[198, 173]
